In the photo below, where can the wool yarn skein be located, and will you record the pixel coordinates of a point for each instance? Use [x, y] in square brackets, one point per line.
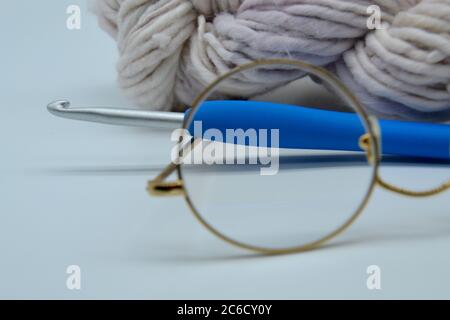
[171, 49]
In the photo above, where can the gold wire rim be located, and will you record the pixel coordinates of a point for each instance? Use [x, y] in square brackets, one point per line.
[345, 94]
[413, 193]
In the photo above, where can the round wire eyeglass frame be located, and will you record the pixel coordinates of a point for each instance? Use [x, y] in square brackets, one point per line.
[370, 143]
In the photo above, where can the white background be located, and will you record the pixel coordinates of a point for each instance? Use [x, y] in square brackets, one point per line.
[74, 193]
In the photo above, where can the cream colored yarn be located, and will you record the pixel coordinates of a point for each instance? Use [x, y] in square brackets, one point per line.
[170, 49]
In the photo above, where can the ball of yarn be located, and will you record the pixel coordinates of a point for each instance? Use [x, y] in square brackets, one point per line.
[171, 49]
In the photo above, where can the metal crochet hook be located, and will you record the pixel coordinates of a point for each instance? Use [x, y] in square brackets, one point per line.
[302, 128]
[121, 117]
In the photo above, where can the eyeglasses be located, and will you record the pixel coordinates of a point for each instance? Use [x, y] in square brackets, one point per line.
[275, 177]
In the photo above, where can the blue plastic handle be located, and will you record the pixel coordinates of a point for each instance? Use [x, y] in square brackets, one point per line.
[309, 128]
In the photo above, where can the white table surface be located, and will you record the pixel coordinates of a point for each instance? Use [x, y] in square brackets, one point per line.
[72, 193]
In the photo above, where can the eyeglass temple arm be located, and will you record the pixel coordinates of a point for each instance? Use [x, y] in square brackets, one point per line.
[122, 117]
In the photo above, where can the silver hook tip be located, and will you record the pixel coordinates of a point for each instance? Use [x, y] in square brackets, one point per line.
[58, 106]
